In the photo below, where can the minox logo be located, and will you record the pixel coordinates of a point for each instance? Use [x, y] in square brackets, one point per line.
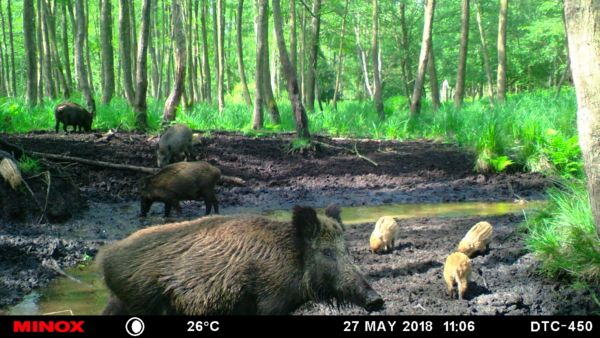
[60, 326]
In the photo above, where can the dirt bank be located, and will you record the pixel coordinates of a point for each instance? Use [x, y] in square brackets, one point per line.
[407, 172]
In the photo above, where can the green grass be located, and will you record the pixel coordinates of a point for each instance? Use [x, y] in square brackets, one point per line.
[563, 236]
[29, 165]
[532, 131]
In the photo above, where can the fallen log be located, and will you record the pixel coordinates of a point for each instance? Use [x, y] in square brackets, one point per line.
[97, 163]
[225, 179]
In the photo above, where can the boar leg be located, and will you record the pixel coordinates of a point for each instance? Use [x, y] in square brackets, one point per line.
[450, 286]
[462, 287]
[114, 307]
[57, 125]
[177, 208]
[145, 207]
[172, 203]
[188, 153]
[212, 199]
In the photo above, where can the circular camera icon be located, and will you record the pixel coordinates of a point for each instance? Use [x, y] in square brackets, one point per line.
[134, 326]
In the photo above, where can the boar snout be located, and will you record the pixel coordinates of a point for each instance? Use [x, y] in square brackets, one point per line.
[373, 301]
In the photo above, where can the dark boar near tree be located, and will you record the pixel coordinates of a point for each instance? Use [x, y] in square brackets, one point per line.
[234, 265]
[175, 145]
[72, 114]
[181, 181]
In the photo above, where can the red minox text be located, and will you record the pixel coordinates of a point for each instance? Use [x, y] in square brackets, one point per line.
[60, 326]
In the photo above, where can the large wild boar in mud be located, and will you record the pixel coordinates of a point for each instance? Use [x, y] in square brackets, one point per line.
[181, 181]
[72, 114]
[234, 265]
[175, 145]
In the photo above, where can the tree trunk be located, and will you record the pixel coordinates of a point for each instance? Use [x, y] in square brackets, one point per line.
[309, 90]
[188, 93]
[12, 49]
[47, 55]
[80, 37]
[108, 72]
[362, 60]
[6, 68]
[141, 76]
[87, 50]
[161, 49]
[405, 51]
[501, 79]
[267, 89]
[302, 70]
[125, 50]
[215, 44]
[293, 43]
[273, 69]
[375, 56]
[179, 38]
[290, 74]
[261, 31]
[49, 19]
[338, 75]
[415, 106]
[220, 56]
[133, 39]
[582, 18]
[240, 53]
[197, 59]
[433, 81]
[459, 92]
[154, 50]
[30, 51]
[205, 60]
[228, 49]
[41, 56]
[65, 40]
[484, 53]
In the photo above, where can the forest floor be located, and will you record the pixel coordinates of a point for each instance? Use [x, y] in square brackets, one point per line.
[504, 280]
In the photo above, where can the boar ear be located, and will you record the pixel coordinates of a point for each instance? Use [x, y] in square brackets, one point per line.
[306, 222]
[333, 211]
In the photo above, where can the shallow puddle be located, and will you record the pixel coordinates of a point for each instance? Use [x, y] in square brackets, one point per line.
[365, 214]
[87, 295]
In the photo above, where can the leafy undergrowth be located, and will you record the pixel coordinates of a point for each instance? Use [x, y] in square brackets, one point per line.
[563, 235]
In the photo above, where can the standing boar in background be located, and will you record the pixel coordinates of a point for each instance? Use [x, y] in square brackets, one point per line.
[175, 145]
[234, 265]
[181, 181]
[72, 114]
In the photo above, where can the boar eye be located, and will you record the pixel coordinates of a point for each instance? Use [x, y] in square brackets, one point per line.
[329, 253]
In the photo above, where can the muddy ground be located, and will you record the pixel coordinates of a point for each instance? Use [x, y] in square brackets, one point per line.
[409, 279]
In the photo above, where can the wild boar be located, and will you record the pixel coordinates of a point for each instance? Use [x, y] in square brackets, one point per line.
[234, 265]
[72, 114]
[384, 235]
[181, 181]
[175, 145]
[457, 269]
[477, 239]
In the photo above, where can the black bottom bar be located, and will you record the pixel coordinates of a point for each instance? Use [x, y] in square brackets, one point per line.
[426, 326]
